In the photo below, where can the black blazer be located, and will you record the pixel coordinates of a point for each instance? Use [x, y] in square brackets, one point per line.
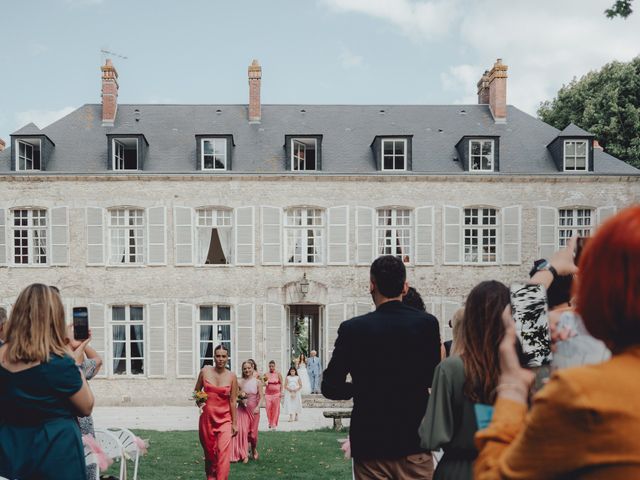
[391, 354]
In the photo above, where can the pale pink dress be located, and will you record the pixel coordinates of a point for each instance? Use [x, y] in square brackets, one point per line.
[247, 422]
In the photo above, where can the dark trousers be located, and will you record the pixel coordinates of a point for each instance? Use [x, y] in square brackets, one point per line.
[418, 466]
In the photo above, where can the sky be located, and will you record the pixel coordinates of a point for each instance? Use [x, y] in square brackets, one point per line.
[311, 51]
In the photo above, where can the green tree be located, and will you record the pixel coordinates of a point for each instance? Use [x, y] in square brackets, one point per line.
[606, 103]
[621, 8]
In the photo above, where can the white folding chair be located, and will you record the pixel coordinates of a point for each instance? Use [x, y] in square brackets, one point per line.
[131, 449]
[90, 459]
[113, 448]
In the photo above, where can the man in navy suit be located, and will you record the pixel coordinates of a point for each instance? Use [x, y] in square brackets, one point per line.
[314, 369]
[390, 354]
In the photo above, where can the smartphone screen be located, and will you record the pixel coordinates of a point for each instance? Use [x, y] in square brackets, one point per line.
[530, 312]
[80, 323]
[580, 243]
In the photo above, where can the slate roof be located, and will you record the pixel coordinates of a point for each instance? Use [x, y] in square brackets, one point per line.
[348, 130]
[572, 130]
[28, 129]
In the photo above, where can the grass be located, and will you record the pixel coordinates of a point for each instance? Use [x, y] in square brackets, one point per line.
[286, 455]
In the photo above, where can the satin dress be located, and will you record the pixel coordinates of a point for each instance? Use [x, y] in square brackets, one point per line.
[272, 398]
[247, 422]
[215, 431]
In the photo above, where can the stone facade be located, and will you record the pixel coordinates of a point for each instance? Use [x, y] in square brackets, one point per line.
[335, 289]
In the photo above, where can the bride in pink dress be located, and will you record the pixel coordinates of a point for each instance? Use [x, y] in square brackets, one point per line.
[248, 416]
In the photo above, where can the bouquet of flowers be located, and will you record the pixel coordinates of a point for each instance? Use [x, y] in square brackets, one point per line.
[265, 378]
[242, 398]
[199, 397]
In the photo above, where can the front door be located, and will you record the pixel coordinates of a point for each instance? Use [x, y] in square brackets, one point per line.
[305, 331]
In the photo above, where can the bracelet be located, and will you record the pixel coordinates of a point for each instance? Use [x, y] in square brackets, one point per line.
[512, 386]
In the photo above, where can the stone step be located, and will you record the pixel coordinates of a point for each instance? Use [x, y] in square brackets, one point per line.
[318, 401]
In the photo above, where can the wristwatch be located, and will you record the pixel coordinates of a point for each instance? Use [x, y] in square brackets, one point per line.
[545, 265]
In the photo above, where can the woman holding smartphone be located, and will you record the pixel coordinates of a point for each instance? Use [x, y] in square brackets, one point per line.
[468, 377]
[41, 392]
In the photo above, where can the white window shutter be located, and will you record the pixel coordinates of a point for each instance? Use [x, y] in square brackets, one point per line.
[59, 236]
[338, 236]
[98, 326]
[245, 334]
[452, 235]
[183, 219]
[362, 308]
[95, 236]
[156, 236]
[274, 335]
[424, 236]
[511, 221]
[604, 213]
[271, 236]
[449, 307]
[157, 344]
[547, 231]
[336, 314]
[245, 236]
[365, 238]
[3, 237]
[185, 335]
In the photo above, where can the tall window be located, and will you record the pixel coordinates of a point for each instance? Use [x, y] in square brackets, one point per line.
[575, 155]
[214, 328]
[393, 232]
[29, 155]
[29, 237]
[214, 234]
[127, 336]
[126, 230]
[394, 154]
[214, 154]
[480, 235]
[125, 154]
[304, 230]
[481, 155]
[574, 221]
[304, 154]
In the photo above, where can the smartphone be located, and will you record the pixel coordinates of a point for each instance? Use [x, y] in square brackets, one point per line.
[580, 348]
[530, 312]
[80, 323]
[580, 243]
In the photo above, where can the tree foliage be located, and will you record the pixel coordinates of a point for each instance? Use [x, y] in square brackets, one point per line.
[606, 103]
[622, 8]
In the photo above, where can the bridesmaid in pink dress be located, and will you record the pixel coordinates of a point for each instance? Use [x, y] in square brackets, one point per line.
[248, 416]
[273, 392]
[217, 423]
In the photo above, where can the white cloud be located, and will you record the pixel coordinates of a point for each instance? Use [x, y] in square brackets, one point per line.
[42, 118]
[349, 60]
[545, 43]
[417, 19]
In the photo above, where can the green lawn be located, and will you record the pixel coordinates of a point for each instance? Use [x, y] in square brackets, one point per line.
[286, 455]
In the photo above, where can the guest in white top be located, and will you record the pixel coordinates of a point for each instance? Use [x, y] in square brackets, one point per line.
[304, 376]
[293, 397]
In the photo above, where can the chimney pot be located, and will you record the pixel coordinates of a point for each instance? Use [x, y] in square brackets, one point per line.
[109, 93]
[2, 145]
[498, 91]
[483, 88]
[255, 79]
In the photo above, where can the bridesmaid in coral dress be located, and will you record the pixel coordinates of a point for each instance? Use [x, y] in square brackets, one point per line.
[248, 416]
[218, 416]
[272, 393]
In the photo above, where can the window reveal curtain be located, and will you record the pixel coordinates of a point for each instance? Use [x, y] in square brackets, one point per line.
[225, 242]
[206, 336]
[119, 334]
[204, 242]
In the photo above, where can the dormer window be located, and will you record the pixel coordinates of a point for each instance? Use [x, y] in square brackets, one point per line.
[125, 153]
[29, 154]
[214, 154]
[394, 154]
[481, 155]
[303, 152]
[575, 155]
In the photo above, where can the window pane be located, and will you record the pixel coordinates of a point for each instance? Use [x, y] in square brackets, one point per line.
[388, 162]
[570, 148]
[136, 313]
[486, 148]
[581, 148]
[399, 150]
[387, 147]
[206, 314]
[224, 313]
[475, 148]
[207, 147]
[118, 314]
[137, 367]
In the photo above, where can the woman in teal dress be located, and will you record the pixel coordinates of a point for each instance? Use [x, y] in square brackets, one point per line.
[41, 393]
[469, 376]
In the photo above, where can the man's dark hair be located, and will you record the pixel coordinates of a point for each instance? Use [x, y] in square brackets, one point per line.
[559, 291]
[414, 299]
[389, 275]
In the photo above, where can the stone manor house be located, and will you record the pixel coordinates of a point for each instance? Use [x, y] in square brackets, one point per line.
[184, 226]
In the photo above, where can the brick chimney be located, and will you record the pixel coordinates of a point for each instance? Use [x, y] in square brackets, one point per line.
[2, 144]
[255, 77]
[109, 93]
[498, 91]
[483, 88]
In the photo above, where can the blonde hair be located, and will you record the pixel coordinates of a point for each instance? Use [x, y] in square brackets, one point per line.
[36, 327]
[456, 324]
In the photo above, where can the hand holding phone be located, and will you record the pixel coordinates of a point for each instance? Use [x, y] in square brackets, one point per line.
[530, 313]
[80, 323]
